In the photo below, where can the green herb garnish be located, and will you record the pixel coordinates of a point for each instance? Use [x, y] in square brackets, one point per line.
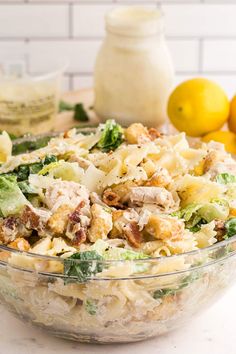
[30, 145]
[80, 113]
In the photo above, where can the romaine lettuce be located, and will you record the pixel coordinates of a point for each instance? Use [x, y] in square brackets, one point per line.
[83, 265]
[112, 136]
[225, 178]
[197, 214]
[230, 226]
[12, 200]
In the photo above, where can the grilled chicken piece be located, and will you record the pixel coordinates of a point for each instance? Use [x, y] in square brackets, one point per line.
[217, 162]
[152, 195]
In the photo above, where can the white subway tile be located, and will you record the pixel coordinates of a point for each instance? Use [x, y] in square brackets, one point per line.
[89, 20]
[66, 84]
[185, 54]
[227, 82]
[219, 55]
[82, 81]
[12, 50]
[200, 19]
[81, 54]
[183, 19]
[27, 20]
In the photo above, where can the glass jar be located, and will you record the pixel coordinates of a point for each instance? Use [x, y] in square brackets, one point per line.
[133, 73]
[29, 104]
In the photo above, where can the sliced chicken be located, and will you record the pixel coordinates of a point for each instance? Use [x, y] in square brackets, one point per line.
[217, 162]
[152, 195]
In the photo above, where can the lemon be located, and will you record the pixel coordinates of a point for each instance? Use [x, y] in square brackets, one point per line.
[198, 106]
[232, 115]
[224, 137]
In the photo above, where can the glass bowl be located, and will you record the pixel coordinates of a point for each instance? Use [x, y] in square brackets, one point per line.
[114, 301]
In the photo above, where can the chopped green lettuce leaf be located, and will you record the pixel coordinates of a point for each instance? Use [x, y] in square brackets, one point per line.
[91, 307]
[67, 171]
[26, 188]
[160, 293]
[12, 200]
[24, 146]
[117, 254]
[83, 265]
[46, 169]
[197, 214]
[112, 136]
[230, 226]
[225, 178]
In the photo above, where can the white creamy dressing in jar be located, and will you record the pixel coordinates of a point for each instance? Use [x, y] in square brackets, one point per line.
[134, 72]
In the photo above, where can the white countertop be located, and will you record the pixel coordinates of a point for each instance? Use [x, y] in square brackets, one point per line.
[211, 333]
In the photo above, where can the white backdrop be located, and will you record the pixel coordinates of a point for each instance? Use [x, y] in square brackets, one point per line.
[201, 36]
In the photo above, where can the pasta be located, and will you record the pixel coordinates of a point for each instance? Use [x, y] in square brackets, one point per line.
[107, 216]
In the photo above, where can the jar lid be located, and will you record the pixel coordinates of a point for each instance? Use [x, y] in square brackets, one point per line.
[134, 21]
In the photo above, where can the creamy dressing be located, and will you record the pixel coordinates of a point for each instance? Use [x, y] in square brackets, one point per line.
[134, 72]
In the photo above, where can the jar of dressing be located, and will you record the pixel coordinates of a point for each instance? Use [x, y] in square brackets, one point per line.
[133, 73]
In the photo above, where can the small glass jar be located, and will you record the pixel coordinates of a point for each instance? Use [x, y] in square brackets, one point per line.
[133, 73]
[29, 104]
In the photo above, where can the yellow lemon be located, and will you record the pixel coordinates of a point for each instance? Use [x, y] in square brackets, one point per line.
[232, 115]
[226, 138]
[198, 106]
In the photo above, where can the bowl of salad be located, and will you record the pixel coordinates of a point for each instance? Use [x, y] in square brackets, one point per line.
[113, 234]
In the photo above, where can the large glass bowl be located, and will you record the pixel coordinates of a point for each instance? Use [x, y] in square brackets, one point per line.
[114, 301]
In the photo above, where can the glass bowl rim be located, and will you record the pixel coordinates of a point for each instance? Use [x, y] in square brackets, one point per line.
[199, 251]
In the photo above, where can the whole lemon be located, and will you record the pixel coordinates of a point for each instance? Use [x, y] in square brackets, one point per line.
[232, 115]
[224, 137]
[198, 106]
